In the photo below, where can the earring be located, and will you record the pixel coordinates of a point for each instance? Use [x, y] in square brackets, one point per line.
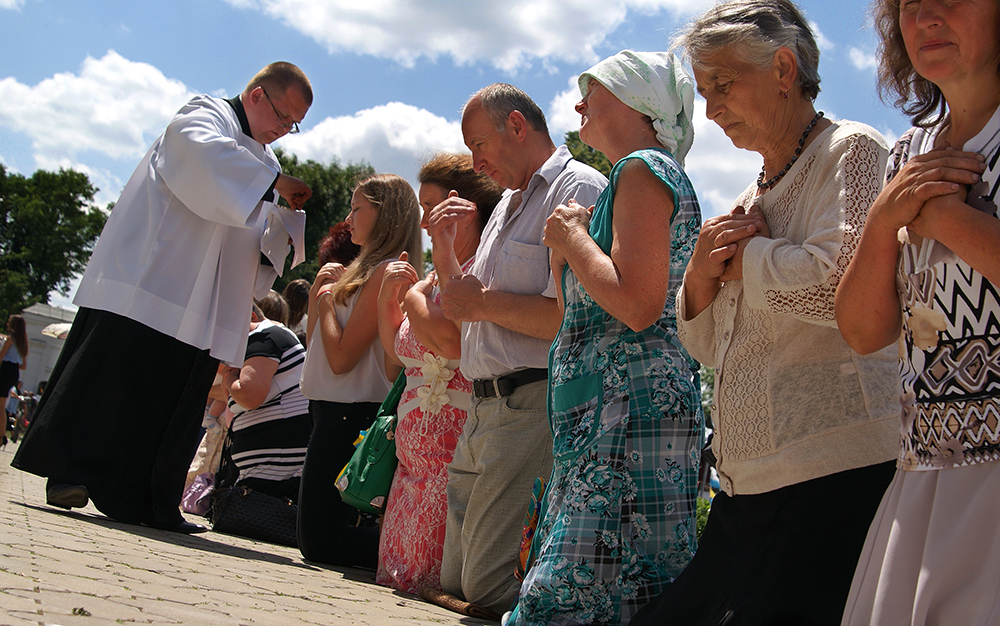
[784, 95]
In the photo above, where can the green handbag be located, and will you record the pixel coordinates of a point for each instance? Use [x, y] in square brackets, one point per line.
[365, 480]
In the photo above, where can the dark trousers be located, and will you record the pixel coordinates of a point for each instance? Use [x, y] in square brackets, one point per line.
[781, 558]
[9, 375]
[121, 415]
[327, 529]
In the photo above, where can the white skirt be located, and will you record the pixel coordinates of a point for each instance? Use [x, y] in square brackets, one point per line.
[932, 556]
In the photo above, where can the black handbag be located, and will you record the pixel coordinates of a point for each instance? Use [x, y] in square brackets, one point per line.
[246, 512]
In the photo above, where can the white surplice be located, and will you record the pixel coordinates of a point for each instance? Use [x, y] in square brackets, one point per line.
[181, 251]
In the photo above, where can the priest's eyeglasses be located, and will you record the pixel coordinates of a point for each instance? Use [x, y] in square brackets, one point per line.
[291, 127]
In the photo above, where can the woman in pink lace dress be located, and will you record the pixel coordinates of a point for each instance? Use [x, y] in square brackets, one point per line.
[434, 405]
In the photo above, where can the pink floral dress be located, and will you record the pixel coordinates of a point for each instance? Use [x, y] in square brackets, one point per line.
[432, 413]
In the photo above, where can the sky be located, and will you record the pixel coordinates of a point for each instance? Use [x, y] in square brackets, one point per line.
[90, 85]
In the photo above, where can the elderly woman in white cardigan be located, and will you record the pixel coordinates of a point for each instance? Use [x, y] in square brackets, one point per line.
[805, 427]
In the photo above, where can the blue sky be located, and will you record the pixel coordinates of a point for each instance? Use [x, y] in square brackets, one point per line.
[89, 85]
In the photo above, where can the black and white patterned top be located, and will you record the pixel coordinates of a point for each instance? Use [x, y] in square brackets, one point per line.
[269, 442]
[950, 348]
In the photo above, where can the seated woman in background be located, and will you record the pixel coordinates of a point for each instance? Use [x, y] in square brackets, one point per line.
[433, 408]
[617, 521]
[344, 375]
[338, 246]
[296, 294]
[274, 307]
[271, 424]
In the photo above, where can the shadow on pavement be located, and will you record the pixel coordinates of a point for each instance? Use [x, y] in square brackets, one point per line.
[203, 542]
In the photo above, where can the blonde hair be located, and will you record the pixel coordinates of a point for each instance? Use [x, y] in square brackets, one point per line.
[396, 228]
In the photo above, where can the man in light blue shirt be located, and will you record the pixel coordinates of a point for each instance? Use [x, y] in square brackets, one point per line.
[509, 318]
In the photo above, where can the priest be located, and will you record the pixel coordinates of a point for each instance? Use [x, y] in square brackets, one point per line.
[196, 233]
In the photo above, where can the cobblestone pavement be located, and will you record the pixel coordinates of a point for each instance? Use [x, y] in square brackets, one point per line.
[81, 568]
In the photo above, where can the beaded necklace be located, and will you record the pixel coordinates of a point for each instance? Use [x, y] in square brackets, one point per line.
[763, 185]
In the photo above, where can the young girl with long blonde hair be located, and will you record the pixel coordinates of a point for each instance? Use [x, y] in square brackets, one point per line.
[344, 375]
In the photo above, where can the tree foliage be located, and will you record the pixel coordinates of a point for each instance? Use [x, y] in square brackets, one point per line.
[48, 227]
[330, 203]
[585, 154]
[707, 389]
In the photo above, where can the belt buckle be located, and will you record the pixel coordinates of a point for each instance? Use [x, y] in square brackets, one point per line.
[496, 387]
[485, 388]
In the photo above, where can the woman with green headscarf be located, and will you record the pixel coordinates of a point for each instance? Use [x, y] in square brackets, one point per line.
[617, 521]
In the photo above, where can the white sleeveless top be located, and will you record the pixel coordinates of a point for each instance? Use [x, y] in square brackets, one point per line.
[366, 382]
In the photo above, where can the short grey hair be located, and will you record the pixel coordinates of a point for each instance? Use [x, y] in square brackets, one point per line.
[499, 100]
[754, 30]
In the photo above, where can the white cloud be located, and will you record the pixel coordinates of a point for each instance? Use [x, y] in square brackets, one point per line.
[890, 135]
[113, 107]
[509, 35]
[865, 61]
[11, 4]
[562, 117]
[66, 301]
[393, 137]
[718, 170]
[821, 40]
[109, 186]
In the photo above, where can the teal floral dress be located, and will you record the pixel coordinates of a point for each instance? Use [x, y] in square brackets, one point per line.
[618, 518]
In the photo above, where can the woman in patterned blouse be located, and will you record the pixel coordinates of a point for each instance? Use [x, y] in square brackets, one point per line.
[925, 276]
[617, 521]
[435, 403]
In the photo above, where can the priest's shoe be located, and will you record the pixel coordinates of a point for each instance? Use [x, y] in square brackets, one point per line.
[66, 496]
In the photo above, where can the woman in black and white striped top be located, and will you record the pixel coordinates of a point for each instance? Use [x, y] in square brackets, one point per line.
[271, 427]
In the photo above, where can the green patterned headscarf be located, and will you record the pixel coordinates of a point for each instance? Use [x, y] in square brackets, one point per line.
[654, 84]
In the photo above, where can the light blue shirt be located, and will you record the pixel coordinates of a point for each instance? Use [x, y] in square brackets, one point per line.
[512, 258]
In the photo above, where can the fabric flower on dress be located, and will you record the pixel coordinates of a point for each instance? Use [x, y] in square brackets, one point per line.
[952, 451]
[925, 324]
[433, 396]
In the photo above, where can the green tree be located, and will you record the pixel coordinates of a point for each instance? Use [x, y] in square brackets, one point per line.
[585, 154]
[707, 388]
[48, 227]
[330, 203]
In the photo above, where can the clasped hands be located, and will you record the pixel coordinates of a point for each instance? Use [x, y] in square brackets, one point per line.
[718, 252]
[926, 191]
[462, 295]
[564, 224]
[329, 274]
[401, 280]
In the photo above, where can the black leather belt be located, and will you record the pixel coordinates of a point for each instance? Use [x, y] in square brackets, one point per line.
[505, 385]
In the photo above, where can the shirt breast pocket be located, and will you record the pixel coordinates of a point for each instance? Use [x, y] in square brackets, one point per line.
[524, 268]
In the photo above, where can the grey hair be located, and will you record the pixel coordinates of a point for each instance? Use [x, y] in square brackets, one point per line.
[499, 100]
[754, 30]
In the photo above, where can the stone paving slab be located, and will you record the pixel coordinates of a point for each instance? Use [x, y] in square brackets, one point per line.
[70, 568]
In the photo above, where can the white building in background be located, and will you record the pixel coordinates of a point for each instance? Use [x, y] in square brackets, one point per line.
[42, 350]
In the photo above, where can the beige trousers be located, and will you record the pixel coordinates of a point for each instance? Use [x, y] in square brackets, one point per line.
[506, 444]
